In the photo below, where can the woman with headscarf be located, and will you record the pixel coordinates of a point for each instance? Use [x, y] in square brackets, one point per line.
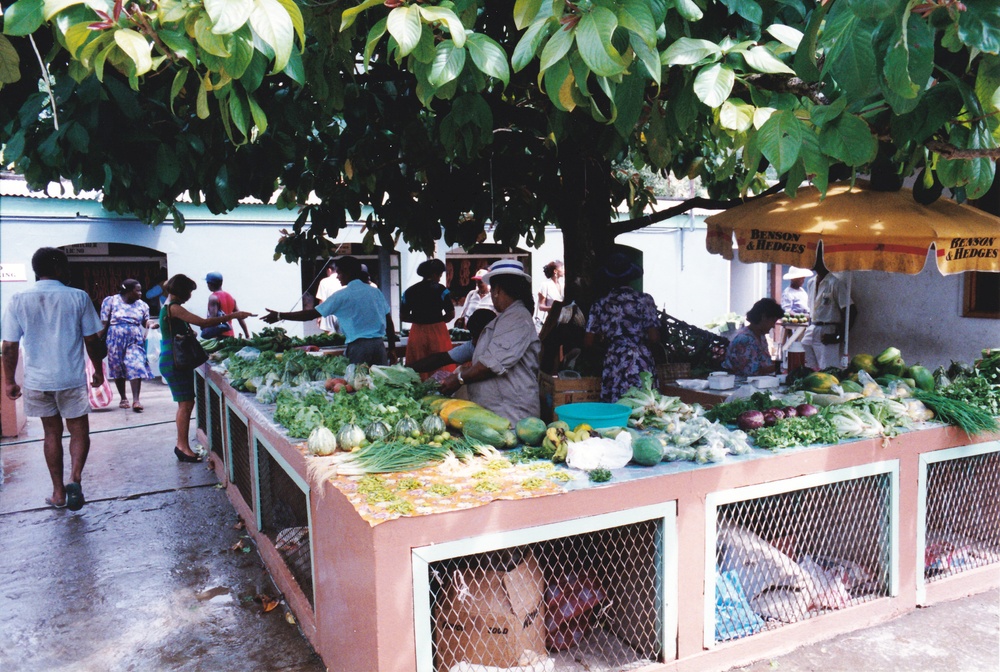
[428, 308]
[125, 316]
[748, 354]
[626, 322]
[174, 319]
[503, 373]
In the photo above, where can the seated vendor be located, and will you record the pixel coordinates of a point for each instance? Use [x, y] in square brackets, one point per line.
[748, 354]
[503, 373]
[460, 354]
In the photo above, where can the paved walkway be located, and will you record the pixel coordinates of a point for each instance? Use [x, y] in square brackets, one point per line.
[145, 577]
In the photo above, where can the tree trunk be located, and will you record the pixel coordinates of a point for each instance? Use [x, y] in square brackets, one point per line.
[584, 212]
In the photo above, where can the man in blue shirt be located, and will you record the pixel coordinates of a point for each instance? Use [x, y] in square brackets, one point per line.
[56, 323]
[362, 312]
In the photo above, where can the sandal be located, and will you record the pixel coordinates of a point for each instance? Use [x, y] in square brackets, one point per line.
[137, 407]
[124, 404]
[55, 505]
[74, 497]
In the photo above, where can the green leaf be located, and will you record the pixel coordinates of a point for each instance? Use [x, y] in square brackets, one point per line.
[788, 36]
[821, 115]
[78, 137]
[23, 17]
[180, 44]
[136, 48]
[558, 80]
[874, 9]
[177, 85]
[689, 10]
[53, 7]
[201, 106]
[295, 14]
[239, 112]
[849, 140]
[10, 70]
[171, 11]
[988, 83]
[242, 51]
[593, 39]
[351, 14]
[713, 84]
[449, 19]
[374, 35]
[557, 47]
[76, 36]
[649, 57]
[228, 15]
[762, 60]
[979, 25]
[525, 12]
[780, 140]
[636, 16]
[688, 51]
[852, 62]
[815, 162]
[447, 65]
[168, 168]
[527, 46]
[628, 101]
[488, 57]
[748, 9]
[405, 27]
[272, 24]
[211, 42]
[736, 115]
[805, 56]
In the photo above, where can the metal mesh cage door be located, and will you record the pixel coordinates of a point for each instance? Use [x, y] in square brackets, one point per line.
[284, 518]
[792, 556]
[239, 452]
[215, 420]
[201, 401]
[963, 515]
[585, 602]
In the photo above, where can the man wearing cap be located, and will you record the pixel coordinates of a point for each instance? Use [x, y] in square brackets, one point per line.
[362, 311]
[221, 303]
[478, 298]
[795, 299]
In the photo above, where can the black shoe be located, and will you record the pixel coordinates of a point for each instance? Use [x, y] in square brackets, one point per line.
[74, 497]
[184, 457]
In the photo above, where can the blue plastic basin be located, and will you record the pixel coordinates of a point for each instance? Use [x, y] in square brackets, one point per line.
[596, 414]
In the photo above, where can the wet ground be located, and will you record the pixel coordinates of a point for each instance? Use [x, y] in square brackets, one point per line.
[152, 575]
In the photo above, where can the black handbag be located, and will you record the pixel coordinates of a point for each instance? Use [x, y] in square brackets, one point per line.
[187, 351]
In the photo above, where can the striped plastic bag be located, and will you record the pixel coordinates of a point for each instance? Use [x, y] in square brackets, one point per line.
[99, 396]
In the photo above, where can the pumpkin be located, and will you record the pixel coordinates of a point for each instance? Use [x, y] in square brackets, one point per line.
[377, 430]
[321, 441]
[432, 425]
[407, 426]
[350, 436]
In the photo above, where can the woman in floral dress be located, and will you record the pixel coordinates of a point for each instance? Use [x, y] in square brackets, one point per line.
[125, 316]
[626, 322]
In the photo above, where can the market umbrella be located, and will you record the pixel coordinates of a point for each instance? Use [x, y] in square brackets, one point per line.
[860, 230]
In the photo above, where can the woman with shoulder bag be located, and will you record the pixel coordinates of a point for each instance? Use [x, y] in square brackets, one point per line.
[175, 320]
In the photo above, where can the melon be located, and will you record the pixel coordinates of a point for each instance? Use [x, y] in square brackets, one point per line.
[531, 431]
[647, 451]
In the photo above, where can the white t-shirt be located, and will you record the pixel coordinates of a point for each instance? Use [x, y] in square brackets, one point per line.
[328, 286]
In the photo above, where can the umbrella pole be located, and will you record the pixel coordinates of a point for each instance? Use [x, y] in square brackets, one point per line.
[845, 356]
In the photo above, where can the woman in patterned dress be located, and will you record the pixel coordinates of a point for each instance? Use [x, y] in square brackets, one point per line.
[625, 321]
[125, 316]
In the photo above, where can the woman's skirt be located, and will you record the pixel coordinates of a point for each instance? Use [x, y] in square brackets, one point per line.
[425, 340]
[181, 382]
[127, 353]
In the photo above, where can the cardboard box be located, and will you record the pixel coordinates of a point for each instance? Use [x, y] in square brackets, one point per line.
[491, 617]
[558, 391]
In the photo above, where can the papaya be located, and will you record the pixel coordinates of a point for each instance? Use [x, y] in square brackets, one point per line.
[820, 383]
[453, 405]
[922, 377]
[863, 362]
[896, 367]
[851, 386]
[480, 433]
[457, 419]
[435, 401]
[531, 431]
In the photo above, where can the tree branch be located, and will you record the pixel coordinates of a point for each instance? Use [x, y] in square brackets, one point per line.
[629, 225]
[950, 151]
[786, 84]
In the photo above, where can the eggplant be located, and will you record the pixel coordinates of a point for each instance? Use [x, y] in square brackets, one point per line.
[772, 416]
[805, 410]
[750, 420]
[789, 411]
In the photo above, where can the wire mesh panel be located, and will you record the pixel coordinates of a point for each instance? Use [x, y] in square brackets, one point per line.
[239, 456]
[792, 556]
[962, 515]
[284, 517]
[215, 422]
[590, 601]
[201, 401]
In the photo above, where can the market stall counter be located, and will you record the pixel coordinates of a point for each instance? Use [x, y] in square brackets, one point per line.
[670, 567]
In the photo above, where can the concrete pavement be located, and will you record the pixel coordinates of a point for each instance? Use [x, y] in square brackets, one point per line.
[145, 577]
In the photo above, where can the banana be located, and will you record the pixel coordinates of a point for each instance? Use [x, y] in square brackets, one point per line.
[561, 452]
[552, 433]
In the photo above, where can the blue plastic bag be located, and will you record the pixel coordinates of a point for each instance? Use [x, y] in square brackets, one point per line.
[733, 616]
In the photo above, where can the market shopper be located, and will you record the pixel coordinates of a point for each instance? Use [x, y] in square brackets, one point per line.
[626, 323]
[830, 300]
[428, 308]
[363, 314]
[125, 317]
[479, 297]
[56, 324]
[174, 319]
[748, 353]
[795, 299]
[553, 289]
[503, 373]
[221, 302]
[460, 354]
[327, 287]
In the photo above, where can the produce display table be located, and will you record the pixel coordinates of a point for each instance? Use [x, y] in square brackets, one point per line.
[368, 593]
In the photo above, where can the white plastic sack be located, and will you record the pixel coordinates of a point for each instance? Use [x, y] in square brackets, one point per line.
[153, 353]
[598, 453]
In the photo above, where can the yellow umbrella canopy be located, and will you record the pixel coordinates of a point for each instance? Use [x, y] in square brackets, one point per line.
[860, 230]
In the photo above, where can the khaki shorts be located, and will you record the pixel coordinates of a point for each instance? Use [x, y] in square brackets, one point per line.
[71, 403]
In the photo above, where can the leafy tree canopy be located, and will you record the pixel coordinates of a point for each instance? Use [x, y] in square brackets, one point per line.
[465, 116]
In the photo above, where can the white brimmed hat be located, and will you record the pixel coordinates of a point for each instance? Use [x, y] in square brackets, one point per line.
[794, 273]
[506, 267]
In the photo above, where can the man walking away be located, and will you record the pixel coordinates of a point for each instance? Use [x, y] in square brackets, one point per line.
[56, 323]
[221, 303]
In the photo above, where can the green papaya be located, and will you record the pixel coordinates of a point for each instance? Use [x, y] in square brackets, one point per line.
[896, 367]
[863, 362]
[531, 431]
[851, 386]
[479, 432]
[922, 377]
[888, 355]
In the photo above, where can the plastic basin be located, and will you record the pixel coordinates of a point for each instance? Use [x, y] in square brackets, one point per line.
[594, 413]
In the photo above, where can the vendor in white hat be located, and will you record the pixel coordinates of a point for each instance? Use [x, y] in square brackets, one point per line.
[478, 297]
[503, 373]
[795, 299]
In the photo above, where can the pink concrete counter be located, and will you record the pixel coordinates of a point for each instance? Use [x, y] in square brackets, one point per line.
[363, 579]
